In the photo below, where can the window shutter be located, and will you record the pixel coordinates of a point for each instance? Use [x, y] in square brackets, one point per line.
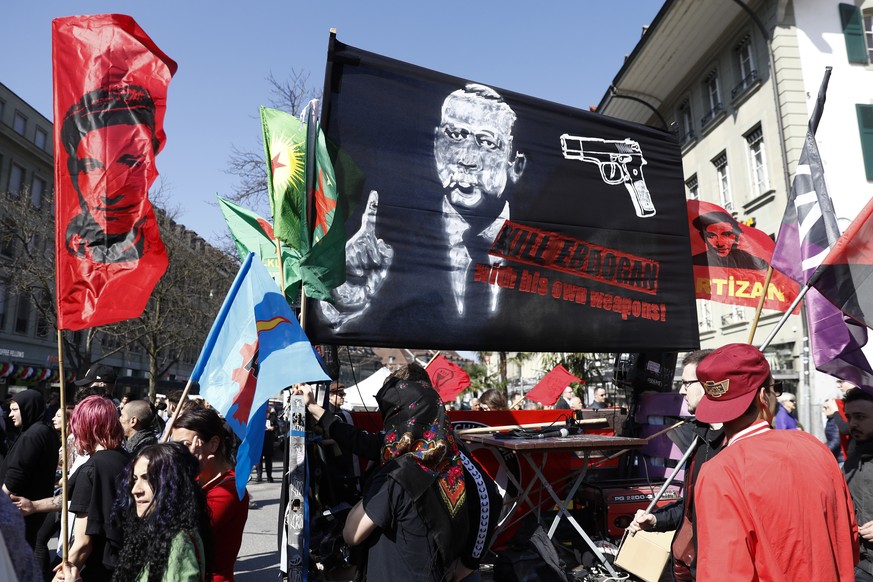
[853, 32]
[865, 128]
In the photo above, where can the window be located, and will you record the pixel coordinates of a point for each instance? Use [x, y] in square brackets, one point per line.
[757, 161]
[693, 189]
[685, 121]
[43, 327]
[37, 190]
[704, 315]
[22, 314]
[724, 186]
[7, 239]
[712, 92]
[40, 138]
[868, 34]
[854, 34]
[19, 123]
[736, 314]
[16, 179]
[745, 67]
[865, 128]
[3, 305]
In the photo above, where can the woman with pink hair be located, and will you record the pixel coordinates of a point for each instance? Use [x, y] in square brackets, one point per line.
[92, 489]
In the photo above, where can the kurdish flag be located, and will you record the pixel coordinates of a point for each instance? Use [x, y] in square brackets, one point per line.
[285, 149]
[255, 349]
[310, 223]
[253, 234]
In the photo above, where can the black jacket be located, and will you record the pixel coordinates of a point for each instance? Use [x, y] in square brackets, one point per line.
[484, 507]
[670, 516]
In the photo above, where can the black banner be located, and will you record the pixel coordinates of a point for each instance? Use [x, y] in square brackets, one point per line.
[481, 219]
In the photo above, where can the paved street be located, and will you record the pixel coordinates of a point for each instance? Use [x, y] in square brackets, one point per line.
[259, 555]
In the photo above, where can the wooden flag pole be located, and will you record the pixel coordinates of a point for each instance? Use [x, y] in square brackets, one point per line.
[760, 306]
[487, 429]
[65, 540]
[648, 438]
[517, 401]
[182, 400]
[435, 356]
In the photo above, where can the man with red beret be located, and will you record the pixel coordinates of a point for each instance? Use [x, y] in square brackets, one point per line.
[772, 505]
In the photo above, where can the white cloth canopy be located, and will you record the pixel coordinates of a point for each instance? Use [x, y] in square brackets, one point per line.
[363, 394]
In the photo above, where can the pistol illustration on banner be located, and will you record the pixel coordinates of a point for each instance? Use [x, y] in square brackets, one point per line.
[619, 161]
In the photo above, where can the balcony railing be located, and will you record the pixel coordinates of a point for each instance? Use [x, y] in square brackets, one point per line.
[687, 136]
[745, 84]
[711, 114]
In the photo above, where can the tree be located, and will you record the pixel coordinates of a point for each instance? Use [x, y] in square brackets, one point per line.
[185, 301]
[248, 165]
[27, 243]
[587, 366]
[177, 318]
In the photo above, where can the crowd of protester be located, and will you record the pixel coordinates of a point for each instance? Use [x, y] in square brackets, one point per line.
[136, 509]
[423, 509]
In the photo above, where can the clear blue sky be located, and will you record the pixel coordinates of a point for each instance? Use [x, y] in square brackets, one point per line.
[562, 51]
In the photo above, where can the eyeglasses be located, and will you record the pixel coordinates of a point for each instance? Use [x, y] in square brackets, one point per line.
[687, 383]
[776, 387]
[340, 394]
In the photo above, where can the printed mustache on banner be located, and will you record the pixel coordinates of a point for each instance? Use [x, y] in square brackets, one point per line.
[462, 164]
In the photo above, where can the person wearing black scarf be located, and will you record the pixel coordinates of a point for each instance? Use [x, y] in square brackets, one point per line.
[428, 510]
[29, 468]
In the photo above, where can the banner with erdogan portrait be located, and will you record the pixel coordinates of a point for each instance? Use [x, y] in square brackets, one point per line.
[110, 94]
[483, 219]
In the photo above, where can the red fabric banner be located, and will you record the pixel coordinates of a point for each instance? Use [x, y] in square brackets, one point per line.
[449, 379]
[110, 94]
[731, 260]
[845, 277]
[549, 389]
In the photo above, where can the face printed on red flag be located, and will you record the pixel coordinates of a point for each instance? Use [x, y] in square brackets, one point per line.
[110, 90]
[731, 260]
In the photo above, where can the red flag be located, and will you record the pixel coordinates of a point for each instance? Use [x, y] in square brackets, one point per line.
[110, 94]
[731, 260]
[549, 389]
[844, 276]
[449, 379]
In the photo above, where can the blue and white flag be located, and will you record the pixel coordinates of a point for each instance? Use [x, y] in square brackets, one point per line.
[255, 349]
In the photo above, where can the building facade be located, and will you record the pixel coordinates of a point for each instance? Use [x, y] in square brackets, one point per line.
[736, 81]
[28, 340]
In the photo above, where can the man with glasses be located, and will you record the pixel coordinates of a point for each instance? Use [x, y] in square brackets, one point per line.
[745, 530]
[679, 516]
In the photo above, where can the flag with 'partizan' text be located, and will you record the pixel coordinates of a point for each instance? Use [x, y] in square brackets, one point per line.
[731, 260]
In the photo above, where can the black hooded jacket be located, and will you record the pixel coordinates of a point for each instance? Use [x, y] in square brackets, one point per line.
[29, 468]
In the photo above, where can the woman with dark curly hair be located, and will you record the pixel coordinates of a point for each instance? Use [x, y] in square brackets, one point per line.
[92, 489]
[203, 432]
[163, 512]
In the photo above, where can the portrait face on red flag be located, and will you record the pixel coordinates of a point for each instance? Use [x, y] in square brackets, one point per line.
[109, 138]
[731, 260]
[110, 90]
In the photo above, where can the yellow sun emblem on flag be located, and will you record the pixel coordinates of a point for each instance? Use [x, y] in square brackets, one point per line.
[286, 163]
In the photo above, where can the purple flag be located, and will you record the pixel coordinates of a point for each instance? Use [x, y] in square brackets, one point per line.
[809, 229]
